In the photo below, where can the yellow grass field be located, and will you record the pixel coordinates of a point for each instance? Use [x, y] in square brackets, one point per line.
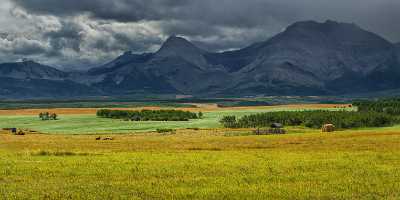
[202, 165]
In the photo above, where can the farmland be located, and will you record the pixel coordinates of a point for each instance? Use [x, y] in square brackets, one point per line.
[202, 165]
[201, 160]
[85, 121]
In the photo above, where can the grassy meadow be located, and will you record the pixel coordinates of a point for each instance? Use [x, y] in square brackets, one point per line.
[89, 123]
[202, 165]
[67, 162]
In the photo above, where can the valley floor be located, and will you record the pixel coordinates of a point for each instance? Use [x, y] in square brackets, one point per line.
[84, 120]
[204, 164]
[200, 161]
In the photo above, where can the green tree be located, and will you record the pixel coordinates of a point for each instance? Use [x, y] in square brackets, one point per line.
[200, 115]
[53, 116]
[229, 121]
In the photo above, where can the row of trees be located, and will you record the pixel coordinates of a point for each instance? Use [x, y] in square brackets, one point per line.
[390, 106]
[149, 115]
[48, 116]
[312, 119]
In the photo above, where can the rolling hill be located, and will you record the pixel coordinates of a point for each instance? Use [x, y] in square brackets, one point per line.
[33, 80]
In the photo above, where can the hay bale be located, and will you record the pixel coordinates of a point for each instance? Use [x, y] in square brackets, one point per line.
[20, 132]
[327, 128]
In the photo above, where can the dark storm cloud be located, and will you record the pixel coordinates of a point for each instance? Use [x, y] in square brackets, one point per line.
[121, 10]
[124, 41]
[27, 47]
[222, 12]
[112, 26]
[68, 36]
[269, 14]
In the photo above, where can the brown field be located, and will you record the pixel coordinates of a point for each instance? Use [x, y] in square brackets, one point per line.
[200, 107]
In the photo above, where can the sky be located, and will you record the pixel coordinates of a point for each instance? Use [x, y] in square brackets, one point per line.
[79, 34]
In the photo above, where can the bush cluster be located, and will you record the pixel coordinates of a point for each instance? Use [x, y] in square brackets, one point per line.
[166, 130]
[48, 116]
[148, 115]
[312, 119]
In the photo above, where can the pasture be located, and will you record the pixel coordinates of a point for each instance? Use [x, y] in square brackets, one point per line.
[206, 163]
[202, 165]
[84, 120]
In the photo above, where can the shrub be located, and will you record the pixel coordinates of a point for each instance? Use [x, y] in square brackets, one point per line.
[47, 116]
[165, 130]
[200, 115]
[57, 153]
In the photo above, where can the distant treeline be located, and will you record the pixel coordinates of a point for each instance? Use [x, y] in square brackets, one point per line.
[312, 119]
[87, 104]
[149, 115]
[389, 106]
[242, 103]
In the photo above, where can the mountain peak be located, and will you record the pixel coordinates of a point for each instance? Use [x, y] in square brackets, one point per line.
[344, 33]
[30, 63]
[328, 25]
[174, 38]
[179, 47]
[175, 45]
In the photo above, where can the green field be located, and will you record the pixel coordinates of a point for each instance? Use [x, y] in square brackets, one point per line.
[90, 124]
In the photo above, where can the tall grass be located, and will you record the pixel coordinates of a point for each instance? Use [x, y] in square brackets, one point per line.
[352, 165]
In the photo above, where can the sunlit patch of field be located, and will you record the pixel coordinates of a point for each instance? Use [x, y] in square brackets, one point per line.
[199, 107]
[207, 139]
[65, 111]
[202, 164]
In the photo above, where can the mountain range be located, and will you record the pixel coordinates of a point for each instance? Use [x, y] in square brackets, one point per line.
[307, 58]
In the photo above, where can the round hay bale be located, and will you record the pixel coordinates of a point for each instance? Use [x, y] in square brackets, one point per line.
[327, 128]
[20, 132]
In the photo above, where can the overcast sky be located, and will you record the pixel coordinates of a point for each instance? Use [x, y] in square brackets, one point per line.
[85, 33]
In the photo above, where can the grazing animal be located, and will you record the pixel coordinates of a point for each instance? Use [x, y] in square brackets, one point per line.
[328, 128]
[98, 138]
[108, 138]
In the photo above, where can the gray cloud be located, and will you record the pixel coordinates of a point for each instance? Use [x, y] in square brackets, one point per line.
[89, 32]
[120, 10]
[68, 36]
